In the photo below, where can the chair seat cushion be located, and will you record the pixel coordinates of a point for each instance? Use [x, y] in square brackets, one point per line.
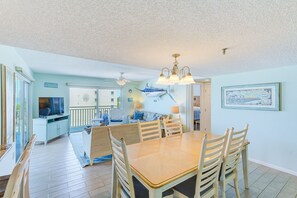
[188, 187]
[142, 192]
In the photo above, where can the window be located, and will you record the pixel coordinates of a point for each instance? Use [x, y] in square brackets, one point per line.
[22, 115]
[87, 103]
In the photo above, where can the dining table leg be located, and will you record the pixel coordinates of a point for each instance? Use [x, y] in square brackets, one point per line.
[244, 154]
[155, 193]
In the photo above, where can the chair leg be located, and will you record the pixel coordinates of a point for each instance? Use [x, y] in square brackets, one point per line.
[223, 184]
[119, 190]
[236, 186]
[216, 189]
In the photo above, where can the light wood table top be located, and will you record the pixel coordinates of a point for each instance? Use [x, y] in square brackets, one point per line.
[161, 161]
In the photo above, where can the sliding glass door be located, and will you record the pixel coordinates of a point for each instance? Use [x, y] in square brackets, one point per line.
[22, 115]
[88, 103]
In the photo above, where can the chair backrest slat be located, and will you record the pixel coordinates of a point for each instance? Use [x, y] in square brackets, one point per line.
[149, 130]
[211, 156]
[233, 150]
[121, 165]
[173, 126]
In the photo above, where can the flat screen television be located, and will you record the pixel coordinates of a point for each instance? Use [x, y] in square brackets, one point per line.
[51, 106]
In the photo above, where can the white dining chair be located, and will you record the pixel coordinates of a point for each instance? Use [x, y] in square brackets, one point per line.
[231, 159]
[205, 183]
[172, 126]
[126, 185]
[17, 183]
[31, 143]
[149, 130]
[26, 177]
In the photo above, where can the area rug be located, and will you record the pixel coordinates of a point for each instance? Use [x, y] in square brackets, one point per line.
[77, 144]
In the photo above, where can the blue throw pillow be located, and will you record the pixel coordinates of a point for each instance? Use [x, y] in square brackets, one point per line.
[138, 115]
[156, 117]
[105, 119]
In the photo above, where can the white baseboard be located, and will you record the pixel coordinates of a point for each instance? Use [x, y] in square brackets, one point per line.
[273, 166]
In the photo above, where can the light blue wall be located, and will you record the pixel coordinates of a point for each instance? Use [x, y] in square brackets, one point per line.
[163, 104]
[63, 89]
[273, 134]
[10, 58]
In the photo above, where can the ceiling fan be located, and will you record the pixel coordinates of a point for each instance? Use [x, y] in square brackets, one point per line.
[121, 80]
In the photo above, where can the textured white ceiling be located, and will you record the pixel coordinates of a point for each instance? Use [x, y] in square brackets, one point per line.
[260, 33]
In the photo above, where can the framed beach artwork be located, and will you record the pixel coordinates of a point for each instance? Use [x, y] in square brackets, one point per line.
[256, 96]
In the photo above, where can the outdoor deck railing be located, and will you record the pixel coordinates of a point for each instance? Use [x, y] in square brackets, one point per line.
[83, 115]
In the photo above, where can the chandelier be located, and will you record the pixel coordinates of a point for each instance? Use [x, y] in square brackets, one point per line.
[181, 76]
[121, 80]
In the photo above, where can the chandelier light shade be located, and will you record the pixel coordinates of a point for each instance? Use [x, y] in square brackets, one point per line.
[181, 76]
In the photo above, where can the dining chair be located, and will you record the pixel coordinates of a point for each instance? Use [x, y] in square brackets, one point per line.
[26, 182]
[172, 126]
[205, 184]
[23, 159]
[121, 167]
[126, 185]
[16, 186]
[231, 159]
[149, 130]
[31, 143]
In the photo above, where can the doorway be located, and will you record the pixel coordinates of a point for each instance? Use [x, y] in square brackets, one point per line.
[201, 106]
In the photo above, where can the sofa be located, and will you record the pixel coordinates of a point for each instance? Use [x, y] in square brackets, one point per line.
[96, 143]
[147, 116]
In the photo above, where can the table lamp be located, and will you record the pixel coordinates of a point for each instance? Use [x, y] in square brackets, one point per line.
[137, 105]
[175, 110]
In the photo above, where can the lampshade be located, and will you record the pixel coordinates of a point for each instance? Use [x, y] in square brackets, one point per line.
[137, 105]
[188, 79]
[174, 78]
[174, 109]
[162, 80]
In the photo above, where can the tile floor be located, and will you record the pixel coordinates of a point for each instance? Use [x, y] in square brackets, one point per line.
[55, 172]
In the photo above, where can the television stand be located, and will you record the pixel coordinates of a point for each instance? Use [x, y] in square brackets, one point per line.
[50, 127]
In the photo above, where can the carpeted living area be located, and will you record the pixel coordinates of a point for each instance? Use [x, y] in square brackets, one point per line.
[77, 144]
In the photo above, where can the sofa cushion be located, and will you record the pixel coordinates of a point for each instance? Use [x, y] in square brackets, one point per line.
[156, 116]
[149, 116]
[138, 115]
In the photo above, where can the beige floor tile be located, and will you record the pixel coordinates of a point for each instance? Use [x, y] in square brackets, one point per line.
[56, 172]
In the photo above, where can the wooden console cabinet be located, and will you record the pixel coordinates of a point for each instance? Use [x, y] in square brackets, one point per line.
[50, 127]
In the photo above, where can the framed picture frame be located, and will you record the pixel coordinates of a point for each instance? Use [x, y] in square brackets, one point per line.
[265, 96]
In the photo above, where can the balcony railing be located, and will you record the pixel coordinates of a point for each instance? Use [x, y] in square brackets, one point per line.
[83, 115]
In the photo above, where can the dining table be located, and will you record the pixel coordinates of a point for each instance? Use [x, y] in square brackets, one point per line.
[161, 164]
